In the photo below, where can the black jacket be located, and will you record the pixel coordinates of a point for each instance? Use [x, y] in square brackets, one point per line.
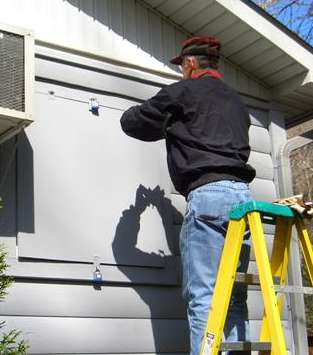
[205, 125]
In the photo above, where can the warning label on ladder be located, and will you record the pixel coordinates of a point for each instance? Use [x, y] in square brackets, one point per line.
[208, 344]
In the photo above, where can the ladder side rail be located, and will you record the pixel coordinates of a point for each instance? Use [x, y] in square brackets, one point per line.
[223, 287]
[279, 265]
[306, 246]
[267, 286]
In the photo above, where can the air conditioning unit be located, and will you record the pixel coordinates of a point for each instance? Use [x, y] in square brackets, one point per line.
[16, 80]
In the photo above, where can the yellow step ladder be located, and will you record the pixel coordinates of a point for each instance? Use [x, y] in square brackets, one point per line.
[253, 214]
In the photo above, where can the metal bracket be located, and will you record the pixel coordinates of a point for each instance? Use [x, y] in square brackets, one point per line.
[97, 276]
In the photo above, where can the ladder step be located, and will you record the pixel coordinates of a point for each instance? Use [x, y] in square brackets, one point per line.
[254, 280]
[295, 289]
[251, 279]
[245, 346]
[265, 208]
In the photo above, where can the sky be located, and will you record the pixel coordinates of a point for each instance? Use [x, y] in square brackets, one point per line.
[297, 15]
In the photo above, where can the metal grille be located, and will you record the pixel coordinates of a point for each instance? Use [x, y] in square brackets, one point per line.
[12, 78]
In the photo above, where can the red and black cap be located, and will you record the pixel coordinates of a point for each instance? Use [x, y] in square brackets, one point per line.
[204, 45]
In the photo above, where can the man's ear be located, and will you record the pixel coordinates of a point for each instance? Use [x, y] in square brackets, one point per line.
[191, 63]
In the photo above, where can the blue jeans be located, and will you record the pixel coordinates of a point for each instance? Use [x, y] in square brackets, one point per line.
[201, 243]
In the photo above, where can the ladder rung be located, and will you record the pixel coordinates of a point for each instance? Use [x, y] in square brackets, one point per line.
[294, 289]
[251, 279]
[245, 346]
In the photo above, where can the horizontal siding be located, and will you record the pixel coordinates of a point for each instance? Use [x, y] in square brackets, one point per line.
[104, 335]
[84, 272]
[263, 165]
[263, 190]
[80, 147]
[259, 139]
[81, 301]
[84, 301]
[93, 80]
[96, 75]
[111, 28]
[95, 335]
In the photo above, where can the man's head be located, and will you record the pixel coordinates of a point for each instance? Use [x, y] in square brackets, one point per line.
[198, 53]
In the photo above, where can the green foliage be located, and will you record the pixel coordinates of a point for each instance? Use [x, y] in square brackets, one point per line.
[5, 281]
[10, 344]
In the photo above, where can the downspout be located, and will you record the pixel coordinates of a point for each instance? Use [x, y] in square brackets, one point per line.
[294, 273]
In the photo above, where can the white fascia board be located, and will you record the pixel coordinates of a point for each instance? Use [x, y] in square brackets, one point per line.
[269, 31]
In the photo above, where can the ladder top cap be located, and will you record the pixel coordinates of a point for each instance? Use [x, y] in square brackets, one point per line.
[265, 208]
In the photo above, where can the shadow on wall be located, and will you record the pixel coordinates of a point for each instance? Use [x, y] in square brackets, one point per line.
[25, 185]
[133, 22]
[16, 154]
[125, 241]
[128, 227]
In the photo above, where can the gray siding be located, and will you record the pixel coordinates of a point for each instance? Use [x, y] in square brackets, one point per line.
[111, 301]
[112, 28]
[90, 183]
[65, 194]
[104, 335]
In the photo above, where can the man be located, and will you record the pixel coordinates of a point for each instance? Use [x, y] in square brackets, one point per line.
[205, 125]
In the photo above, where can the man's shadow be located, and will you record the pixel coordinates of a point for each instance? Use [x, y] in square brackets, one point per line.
[171, 307]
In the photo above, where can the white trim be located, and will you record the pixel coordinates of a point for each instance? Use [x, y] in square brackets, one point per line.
[29, 70]
[99, 62]
[8, 113]
[16, 30]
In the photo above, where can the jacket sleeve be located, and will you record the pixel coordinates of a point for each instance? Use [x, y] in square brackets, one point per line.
[147, 121]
